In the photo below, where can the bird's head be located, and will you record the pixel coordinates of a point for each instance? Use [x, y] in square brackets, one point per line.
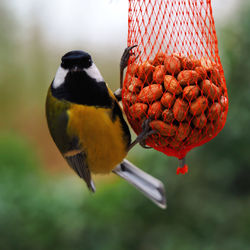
[76, 61]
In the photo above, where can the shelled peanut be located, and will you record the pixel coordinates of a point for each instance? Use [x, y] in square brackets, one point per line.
[185, 97]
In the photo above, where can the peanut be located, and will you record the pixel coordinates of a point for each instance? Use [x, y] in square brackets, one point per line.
[187, 77]
[191, 92]
[180, 109]
[167, 100]
[200, 121]
[145, 71]
[198, 106]
[159, 59]
[133, 68]
[187, 63]
[172, 65]
[135, 85]
[215, 76]
[195, 61]
[150, 93]
[206, 63]
[155, 110]
[159, 74]
[138, 110]
[214, 111]
[163, 128]
[210, 90]
[183, 131]
[129, 97]
[168, 116]
[172, 85]
[202, 73]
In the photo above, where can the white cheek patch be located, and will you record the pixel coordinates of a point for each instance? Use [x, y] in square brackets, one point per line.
[60, 77]
[94, 73]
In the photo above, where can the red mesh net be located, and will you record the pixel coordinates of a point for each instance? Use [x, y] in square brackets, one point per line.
[178, 79]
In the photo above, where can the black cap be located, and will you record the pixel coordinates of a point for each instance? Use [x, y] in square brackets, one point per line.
[76, 58]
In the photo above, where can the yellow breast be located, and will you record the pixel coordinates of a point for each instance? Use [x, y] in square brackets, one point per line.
[101, 139]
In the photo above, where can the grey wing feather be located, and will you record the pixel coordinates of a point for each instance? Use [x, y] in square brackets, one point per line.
[78, 164]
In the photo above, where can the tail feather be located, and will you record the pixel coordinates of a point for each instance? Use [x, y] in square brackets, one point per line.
[151, 187]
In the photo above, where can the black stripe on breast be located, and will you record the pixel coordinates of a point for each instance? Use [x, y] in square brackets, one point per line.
[79, 88]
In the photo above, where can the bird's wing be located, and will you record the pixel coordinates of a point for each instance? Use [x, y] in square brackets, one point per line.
[73, 154]
[58, 118]
[78, 163]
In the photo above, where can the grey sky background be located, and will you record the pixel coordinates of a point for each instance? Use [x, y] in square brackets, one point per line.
[97, 22]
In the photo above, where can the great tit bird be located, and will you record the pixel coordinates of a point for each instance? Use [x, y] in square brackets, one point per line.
[86, 123]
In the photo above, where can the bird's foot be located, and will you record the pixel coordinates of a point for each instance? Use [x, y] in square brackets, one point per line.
[123, 64]
[125, 57]
[146, 132]
[124, 61]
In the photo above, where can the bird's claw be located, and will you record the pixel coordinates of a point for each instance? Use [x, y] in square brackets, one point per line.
[143, 144]
[124, 61]
[125, 57]
[146, 135]
[146, 132]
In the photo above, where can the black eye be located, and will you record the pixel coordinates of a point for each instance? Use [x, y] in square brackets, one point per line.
[89, 62]
[86, 63]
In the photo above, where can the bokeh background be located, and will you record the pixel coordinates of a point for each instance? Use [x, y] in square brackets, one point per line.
[44, 205]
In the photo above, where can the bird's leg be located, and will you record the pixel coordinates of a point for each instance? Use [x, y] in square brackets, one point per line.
[123, 64]
[141, 138]
[146, 130]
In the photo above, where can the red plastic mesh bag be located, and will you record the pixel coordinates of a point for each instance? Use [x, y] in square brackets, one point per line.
[178, 79]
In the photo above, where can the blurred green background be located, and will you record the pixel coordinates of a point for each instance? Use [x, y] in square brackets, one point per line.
[44, 205]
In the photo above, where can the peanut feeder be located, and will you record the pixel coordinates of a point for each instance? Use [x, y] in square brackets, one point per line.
[178, 78]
